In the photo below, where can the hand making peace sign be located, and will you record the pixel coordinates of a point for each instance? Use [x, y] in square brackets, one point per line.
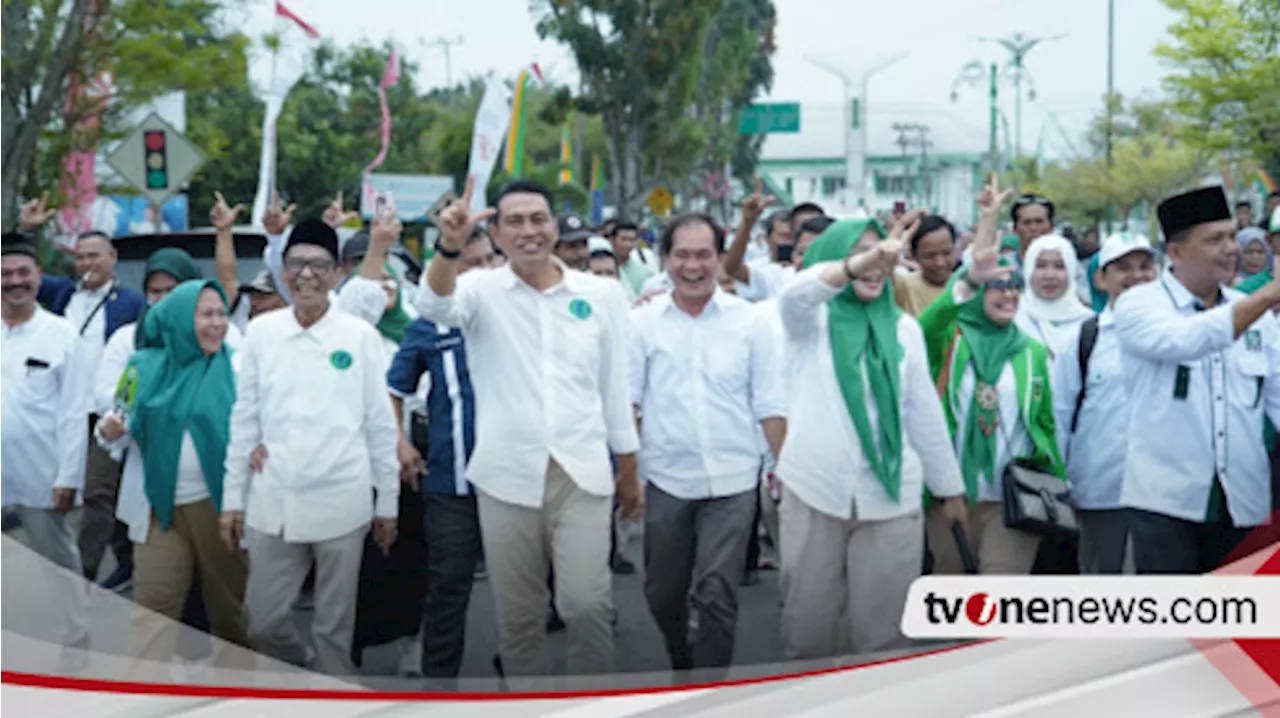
[457, 221]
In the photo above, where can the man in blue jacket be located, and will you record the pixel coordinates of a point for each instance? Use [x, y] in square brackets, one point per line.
[96, 306]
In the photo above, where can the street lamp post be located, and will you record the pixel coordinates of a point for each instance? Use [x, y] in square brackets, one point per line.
[1018, 46]
[972, 74]
[855, 124]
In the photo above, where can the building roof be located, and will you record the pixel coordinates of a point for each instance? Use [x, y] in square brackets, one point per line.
[820, 132]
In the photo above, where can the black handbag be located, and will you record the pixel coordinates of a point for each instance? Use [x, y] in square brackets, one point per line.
[1037, 502]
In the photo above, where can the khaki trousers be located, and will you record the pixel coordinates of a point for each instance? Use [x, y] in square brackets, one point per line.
[163, 570]
[570, 534]
[1000, 550]
[844, 582]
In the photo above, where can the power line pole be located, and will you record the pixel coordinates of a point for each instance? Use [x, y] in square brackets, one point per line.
[926, 186]
[905, 141]
[447, 45]
[1018, 46]
[1111, 89]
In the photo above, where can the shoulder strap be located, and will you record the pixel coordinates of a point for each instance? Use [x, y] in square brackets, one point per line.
[1088, 338]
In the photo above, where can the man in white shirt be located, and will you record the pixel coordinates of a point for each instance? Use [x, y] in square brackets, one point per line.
[96, 306]
[635, 263]
[43, 435]
[1091, 411]
[548, 356]
[1202, 365]
[704, 374]
[312, 421]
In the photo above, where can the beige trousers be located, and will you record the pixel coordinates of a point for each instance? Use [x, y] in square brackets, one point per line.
[163, 568]
[569, 533]
[1000, 550]
[843, 576]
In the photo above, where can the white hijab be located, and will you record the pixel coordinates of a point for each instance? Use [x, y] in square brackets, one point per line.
[1067, 307]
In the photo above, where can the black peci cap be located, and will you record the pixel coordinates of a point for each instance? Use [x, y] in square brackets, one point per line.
[1186, 210]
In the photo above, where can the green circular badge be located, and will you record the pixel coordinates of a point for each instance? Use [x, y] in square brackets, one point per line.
[340, 360]
[580, 308]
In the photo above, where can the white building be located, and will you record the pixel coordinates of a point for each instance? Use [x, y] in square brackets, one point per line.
[809, 166]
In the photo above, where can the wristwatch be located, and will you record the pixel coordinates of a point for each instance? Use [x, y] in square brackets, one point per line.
[443, 251]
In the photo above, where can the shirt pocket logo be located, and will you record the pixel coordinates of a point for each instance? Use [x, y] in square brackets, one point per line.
[341, 360]
[580, 308]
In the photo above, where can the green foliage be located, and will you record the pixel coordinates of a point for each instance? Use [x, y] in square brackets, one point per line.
[668, 77]
[1226, 83]
[146, 47]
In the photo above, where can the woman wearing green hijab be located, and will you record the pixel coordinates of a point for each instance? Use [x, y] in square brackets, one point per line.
[173, 410]
[994, 383]
[865, 434]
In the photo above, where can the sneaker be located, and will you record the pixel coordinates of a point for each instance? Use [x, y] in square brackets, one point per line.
[120, 580]
[410, 649]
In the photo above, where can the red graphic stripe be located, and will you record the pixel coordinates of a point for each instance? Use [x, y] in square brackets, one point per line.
[97, 685]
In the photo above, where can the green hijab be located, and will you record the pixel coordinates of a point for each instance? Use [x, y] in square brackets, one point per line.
[179, 389]
[865, 330]
[992, 346]
[395, 321]
[176, 263]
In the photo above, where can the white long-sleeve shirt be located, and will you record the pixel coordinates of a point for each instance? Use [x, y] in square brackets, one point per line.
[703, 385]
[1178, 444]
[550, 376]
[822, 461]
[1095, 452]
[316, 398]
[44, 430]
[132, 506]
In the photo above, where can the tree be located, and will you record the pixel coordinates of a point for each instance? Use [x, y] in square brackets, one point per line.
[641, 65]
[146, 47]
[1226, 82]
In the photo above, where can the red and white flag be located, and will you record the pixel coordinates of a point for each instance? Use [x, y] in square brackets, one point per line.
[273, 73]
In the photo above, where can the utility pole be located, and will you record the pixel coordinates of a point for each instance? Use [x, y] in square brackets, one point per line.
[1111, 89]
[972, 74]
[905, 142]
[855, 123]
[447, 45]
[926, 186]
[1018, 46]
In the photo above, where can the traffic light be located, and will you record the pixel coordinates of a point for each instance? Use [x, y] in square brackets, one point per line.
[156, 160]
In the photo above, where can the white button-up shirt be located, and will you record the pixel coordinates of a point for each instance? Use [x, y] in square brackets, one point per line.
[703, 384]
[550, 376]
[1095, 452]
[822, 460]
[44, 423]
[1177, 445]
[767, 278]
[317, 399]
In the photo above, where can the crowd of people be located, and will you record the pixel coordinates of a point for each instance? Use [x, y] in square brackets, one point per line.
[875, 392]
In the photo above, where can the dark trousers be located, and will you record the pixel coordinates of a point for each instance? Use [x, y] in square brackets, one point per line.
[753, 540]
[453, 551]
[693, 554]
[98, 526]
[1163, 544]
[1104, 538]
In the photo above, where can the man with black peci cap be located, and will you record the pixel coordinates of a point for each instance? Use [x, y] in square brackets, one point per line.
[572, 247]
[43, 435]
[313, 423]
[1202, 364]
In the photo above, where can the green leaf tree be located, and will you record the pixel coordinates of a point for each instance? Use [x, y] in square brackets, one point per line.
[1225, 56]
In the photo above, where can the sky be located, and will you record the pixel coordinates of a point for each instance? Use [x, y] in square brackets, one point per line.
[939, 37]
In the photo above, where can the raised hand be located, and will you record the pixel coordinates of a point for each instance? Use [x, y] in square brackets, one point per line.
[883, 256]
[457, 221]
[906, 225]
[753, 206]
[992, 198]
[384, 231]
[222, 216]
[36, 213]
[334, 215]
[275, 219]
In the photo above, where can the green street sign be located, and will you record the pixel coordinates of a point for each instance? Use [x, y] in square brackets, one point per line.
[770, 119]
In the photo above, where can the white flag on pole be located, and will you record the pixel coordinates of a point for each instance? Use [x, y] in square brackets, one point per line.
[492, 120]
[273, 73]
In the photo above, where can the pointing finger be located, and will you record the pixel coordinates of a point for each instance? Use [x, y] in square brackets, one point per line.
[238, 208]
[759, 186]
[219, 198]
[338, 200]
[44, 199]
[466, 194]
[484, 215]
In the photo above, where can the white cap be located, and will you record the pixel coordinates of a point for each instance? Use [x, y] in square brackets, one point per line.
[599, 244]
[1118, 245]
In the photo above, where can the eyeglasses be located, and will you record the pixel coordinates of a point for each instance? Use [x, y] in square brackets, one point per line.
[318, 266]
[1015, 283]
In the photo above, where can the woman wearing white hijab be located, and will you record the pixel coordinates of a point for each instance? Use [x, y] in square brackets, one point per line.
[1050, 308]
